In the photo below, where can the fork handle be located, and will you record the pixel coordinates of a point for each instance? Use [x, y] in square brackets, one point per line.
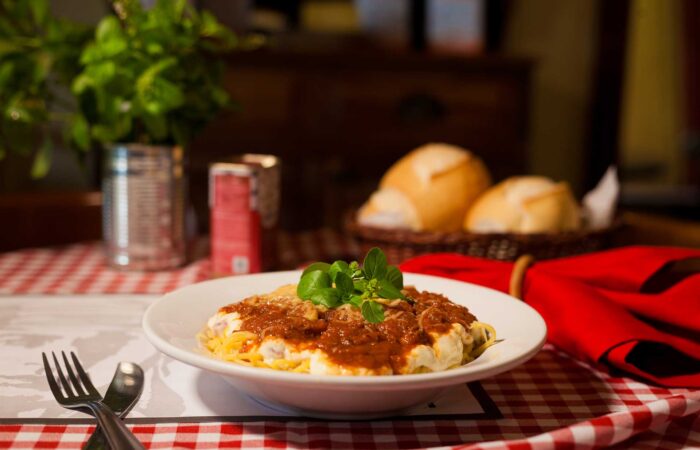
[118, 435]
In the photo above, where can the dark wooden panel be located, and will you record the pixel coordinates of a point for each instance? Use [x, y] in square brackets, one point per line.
[39, 219]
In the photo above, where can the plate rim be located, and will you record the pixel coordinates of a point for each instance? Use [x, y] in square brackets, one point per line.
[427, 380]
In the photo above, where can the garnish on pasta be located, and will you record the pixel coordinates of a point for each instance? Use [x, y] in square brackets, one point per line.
[340, 283]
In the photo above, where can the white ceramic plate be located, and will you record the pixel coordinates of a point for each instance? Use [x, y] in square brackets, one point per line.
[172, 322]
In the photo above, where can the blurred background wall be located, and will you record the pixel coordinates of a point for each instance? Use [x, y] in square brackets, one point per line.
[561, 37]
[652, 120]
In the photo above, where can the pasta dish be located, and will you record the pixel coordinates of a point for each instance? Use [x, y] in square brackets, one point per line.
[361, 330]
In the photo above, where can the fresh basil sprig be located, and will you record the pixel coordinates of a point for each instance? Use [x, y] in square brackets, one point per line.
[340, 283]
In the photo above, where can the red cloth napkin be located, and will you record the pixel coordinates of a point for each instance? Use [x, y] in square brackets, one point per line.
[594, 309]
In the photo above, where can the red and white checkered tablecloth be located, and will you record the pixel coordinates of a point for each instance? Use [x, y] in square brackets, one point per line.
[551, 402]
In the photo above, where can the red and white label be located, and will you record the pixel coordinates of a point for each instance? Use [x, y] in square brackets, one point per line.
[235, 224]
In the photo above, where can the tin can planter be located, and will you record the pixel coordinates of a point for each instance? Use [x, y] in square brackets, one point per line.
[144, 190]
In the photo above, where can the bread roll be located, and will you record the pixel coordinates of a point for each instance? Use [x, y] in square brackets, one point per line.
[525, 205]
[429, 189]
[389, 208]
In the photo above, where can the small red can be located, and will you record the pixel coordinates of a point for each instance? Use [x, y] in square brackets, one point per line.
[244, 205]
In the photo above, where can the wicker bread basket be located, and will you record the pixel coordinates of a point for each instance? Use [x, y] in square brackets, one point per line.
[400, 245]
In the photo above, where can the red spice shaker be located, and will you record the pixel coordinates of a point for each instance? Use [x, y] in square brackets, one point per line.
[244, 197]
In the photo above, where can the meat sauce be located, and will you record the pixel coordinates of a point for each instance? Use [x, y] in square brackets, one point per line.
[345, 336]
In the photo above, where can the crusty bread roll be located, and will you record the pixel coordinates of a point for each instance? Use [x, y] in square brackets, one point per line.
[390, 208]
[525, 205]
[429, 189]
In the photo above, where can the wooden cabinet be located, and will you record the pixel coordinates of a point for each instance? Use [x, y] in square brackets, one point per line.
[339, 120]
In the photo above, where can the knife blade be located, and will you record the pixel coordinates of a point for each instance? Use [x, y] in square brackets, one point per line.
[121, 396]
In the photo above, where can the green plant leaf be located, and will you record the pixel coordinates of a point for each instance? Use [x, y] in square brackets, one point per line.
[42, 66]
[389, 291]
[355, 270]
[163, 69]
[8, 47]
[102, 73]
[80, 132]
[328, 297]
[112, 47]
[356, 300]
[40, 10]
[311, 282]
[81, 83]
[344, 284]
[394, 275]
[156, 69]
[210, 26]
[38, 54]
[360, 285]
[161, 96]
[374, 263]
[179, 8]
[338, 267]
[373, 312]
[108, 28]
[154, 48]
[323, 267]
[6, 72]
[42, 160]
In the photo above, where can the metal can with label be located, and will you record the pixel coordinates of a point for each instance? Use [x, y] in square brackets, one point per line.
[144, 192]
[244, 195]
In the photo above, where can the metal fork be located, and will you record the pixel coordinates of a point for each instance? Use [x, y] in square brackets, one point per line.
[86, 396]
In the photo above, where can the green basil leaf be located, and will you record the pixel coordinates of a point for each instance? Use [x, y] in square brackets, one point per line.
[339, 267]
[374, 264]
[389, 291]
[373, 312]
[344, 284]
[328, 297]
[323, 267]
[311, 282]
[360, 285]
[108, 28]
[394, 275]
[354, 267]
[356, 300]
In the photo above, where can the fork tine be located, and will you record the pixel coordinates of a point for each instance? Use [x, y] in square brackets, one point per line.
[55, 389]
[71, 375]
[64, 381]
[84, 376]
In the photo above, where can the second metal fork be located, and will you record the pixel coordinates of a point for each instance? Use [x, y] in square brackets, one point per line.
[79, 393]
